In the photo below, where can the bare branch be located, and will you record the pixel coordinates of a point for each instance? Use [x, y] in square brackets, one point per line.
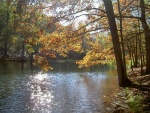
[131, 37]
[128, 17]
[88, 24]
[86, 9]
[96, 29]
[127, 5]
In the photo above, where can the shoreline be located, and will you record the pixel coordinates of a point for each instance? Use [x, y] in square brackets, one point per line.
[132, 99]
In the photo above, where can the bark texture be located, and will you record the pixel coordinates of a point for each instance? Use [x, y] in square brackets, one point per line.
[147, 35]
[123, 80]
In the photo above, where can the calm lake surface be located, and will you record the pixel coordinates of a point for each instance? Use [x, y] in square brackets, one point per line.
[65, 89]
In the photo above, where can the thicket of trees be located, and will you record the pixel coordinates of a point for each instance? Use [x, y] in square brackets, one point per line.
[110, 31]
[20, 23]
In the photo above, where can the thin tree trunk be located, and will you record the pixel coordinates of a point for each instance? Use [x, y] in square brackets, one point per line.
[31, 60]
[22, 55]
[140, 48]
[140, 42]
[5, 50]
[136, 58]
[123, 80]
[130, 55]
[6, 36]
[121, 36]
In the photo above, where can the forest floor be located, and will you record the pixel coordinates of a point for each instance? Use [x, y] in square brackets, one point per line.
[132, 99]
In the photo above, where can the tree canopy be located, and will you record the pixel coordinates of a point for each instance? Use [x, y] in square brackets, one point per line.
[112, 31]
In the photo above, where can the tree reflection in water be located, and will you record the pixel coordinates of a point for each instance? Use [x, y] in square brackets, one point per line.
[66, 89]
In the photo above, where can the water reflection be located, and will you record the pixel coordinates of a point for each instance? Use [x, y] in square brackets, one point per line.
[70, 90]
[72, 94]
[41, 97]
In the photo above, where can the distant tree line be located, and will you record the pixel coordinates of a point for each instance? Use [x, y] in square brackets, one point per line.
[112, 32]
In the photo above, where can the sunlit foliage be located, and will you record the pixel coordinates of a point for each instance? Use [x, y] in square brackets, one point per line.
[51, 28]
[56, 43]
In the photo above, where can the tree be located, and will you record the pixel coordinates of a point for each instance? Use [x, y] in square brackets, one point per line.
[119, 17]
[123, 80]
[97, 21]
[6, 26]
[147, 35]
[20, 28]
[56, 43]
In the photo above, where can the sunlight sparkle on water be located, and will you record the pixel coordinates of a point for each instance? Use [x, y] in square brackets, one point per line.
[41, 76]
[41, 96]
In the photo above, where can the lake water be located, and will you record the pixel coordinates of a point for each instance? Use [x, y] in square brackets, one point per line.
[65, 89]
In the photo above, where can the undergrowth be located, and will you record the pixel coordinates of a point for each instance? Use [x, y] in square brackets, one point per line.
[134, 101]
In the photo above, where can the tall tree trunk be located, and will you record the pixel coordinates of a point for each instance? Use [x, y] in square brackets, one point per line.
[147, 35]
[6, 35]
[121, 36]
[123, 80]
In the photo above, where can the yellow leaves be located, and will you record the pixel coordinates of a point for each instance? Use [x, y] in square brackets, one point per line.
[63, 54]
[31, 41]
[91, 58]
[100, 53]
[60, 43]
[42, 62]
[55, 44]
[52, 55]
